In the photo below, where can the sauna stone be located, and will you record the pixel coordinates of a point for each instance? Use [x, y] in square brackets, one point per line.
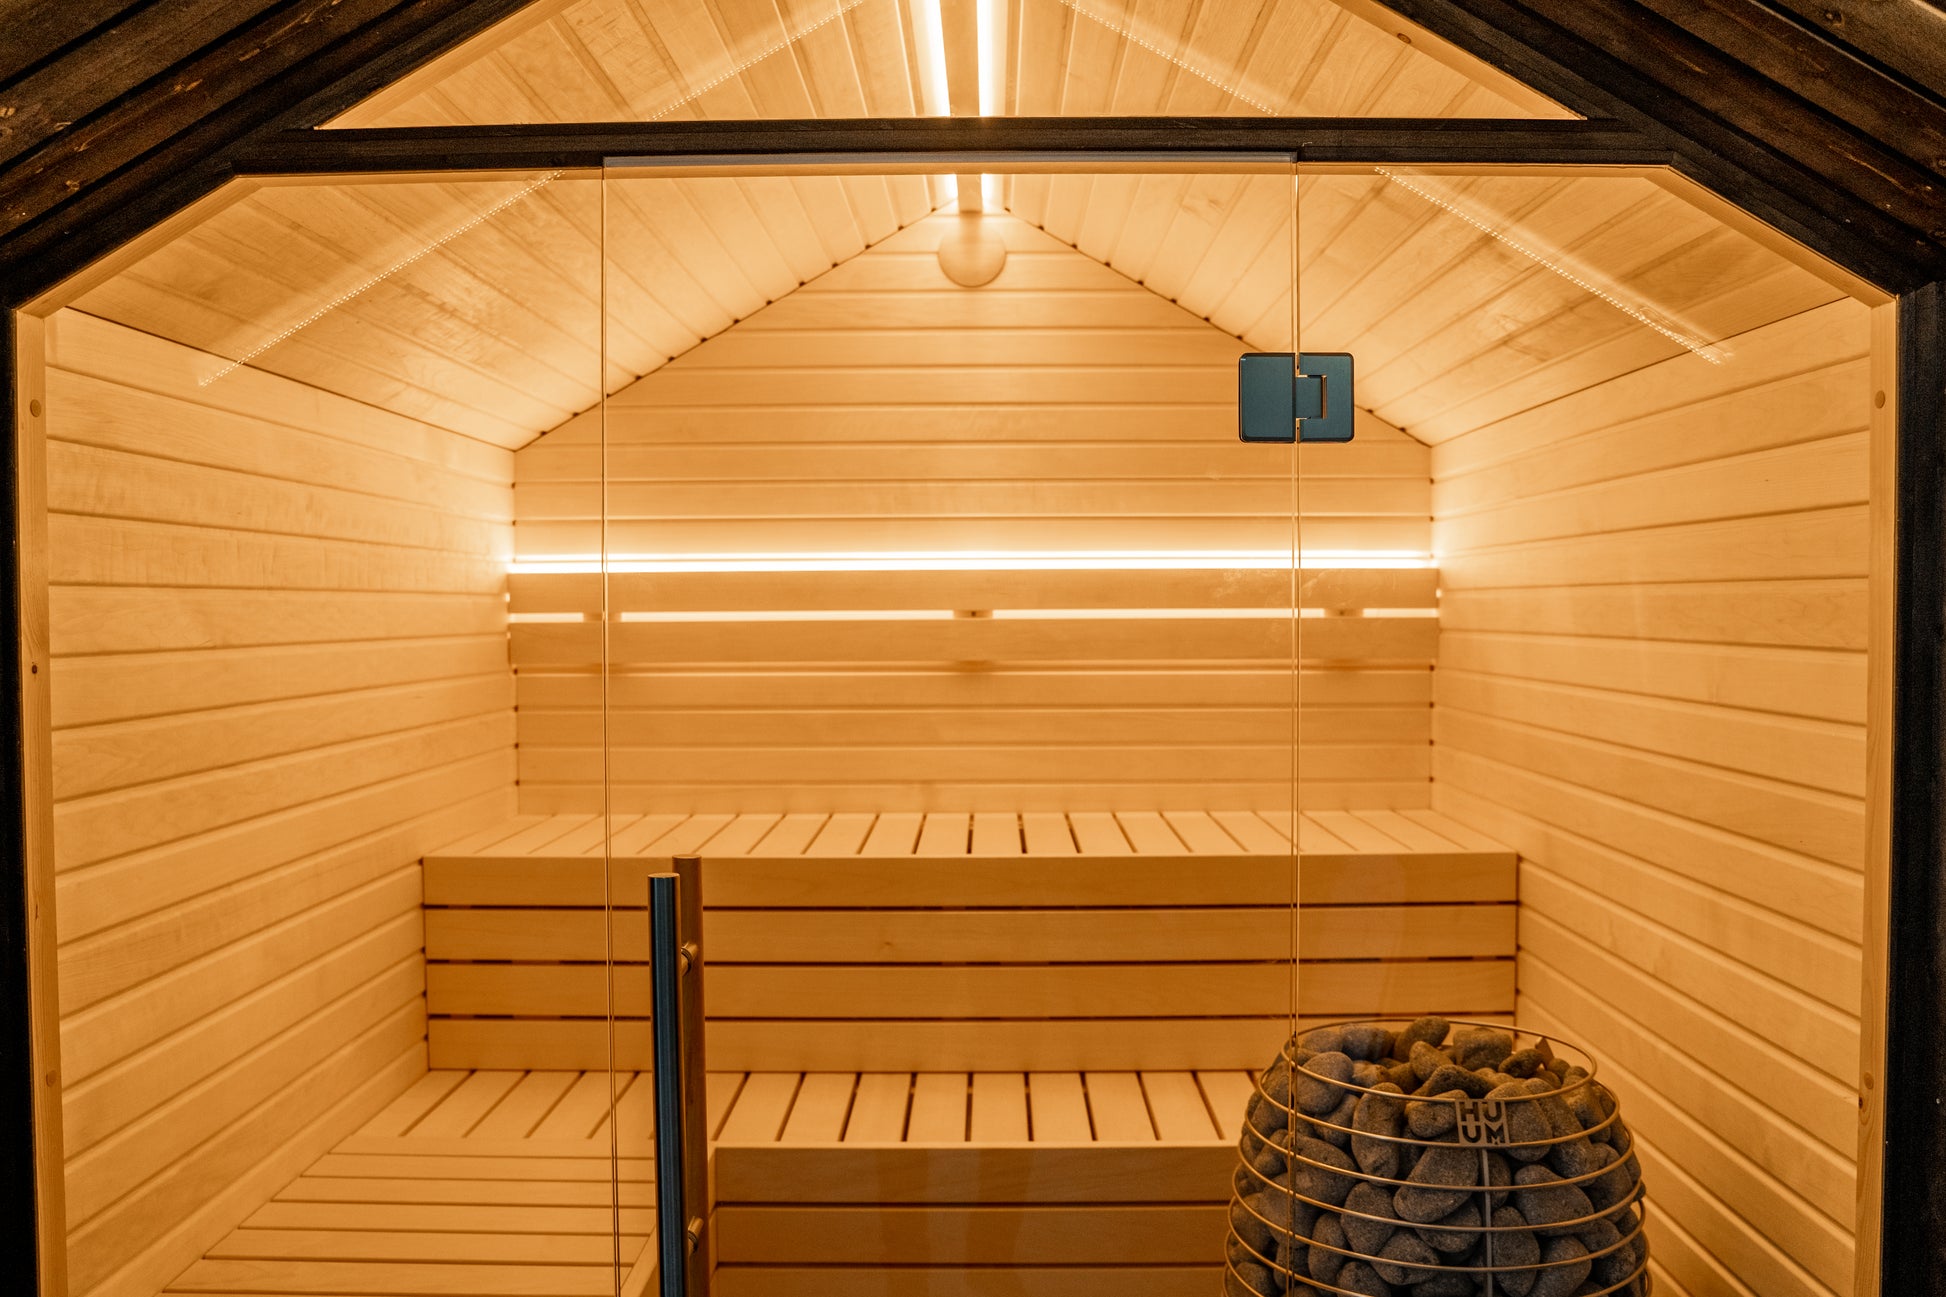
[1434, 1118]
[1368, 1236]
[1481, 1048]
[1426, 1060]
[1518, 1248]
[1248, 1278]
[1451, 1233]
[1526, 1123]
[1316, 1182]
[1430, 1031]
[1312, 1089]
[1546, 1202]
[1378, 1114]
[1438, 1183]
[1368, 1042]
[1405, 1260]
[1328, 1244]
[1568, 1268]
[1360, 1278]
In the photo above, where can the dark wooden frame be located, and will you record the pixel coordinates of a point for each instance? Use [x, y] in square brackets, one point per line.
[1912, 1256]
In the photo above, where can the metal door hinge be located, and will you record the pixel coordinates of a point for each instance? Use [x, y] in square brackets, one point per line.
[1294, 396]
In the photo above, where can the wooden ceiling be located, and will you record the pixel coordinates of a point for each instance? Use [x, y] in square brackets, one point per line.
[477, 305]
[622, 60]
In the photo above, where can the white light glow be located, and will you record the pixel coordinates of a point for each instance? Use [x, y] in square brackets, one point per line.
[929, 30]
[793, 614]
[1105, 560]
[993, 58]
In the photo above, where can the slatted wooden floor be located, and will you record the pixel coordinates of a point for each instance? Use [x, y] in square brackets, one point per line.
[471, 1184]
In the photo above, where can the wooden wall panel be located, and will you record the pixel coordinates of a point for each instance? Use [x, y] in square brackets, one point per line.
[882, 408]
[1651, 683]
[279, 677]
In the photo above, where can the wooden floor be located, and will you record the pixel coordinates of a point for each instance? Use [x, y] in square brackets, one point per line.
[497, 1184]
[471, 1184]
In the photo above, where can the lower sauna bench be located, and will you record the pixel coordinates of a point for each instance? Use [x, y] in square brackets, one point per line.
[1090, 1184]
[966, 1054]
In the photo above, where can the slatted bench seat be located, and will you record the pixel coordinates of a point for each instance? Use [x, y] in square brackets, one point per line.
[1131, 940]
[1025, 1183]
[968, 1053]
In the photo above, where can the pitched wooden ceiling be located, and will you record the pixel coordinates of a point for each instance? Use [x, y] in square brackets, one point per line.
[116, 113]
[621, 60]
[478, 304]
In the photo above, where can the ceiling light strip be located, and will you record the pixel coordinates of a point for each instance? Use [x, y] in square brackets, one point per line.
[974, 561]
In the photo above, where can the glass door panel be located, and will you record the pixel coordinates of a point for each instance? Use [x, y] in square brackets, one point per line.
[951, 624]
[1605, 513]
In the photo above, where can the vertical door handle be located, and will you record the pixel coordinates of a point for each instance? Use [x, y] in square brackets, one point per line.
[681, 1142]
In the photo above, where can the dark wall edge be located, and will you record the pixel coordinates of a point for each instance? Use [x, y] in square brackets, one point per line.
[1913, 1254]
[19, 1207]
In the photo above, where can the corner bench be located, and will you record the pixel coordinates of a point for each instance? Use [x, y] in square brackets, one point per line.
[968, 1053]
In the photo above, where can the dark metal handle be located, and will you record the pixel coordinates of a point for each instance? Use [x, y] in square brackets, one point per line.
[681, 1139]
[666, 961]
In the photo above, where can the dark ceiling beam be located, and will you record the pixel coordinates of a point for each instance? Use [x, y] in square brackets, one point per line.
[1754, 141]
[1898, 116]
[165, 144]
[149, 44]
[1432, 141]
[1904, 36]
[37, 30]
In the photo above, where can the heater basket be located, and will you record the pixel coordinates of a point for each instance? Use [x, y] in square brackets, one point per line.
[1502, 1170]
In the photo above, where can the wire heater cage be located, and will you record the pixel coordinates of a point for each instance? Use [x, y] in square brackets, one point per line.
[1383, 1157]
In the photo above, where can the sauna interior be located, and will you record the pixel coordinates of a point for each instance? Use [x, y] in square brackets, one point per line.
[1048, 750]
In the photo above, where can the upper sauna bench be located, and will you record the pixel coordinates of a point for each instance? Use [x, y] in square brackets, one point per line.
[976, 942]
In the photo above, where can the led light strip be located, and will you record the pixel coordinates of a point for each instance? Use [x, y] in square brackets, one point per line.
[379, 278]
[820, 615]
[1714, 355]
[1271, 560]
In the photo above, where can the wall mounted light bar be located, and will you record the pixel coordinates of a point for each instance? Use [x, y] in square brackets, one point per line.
[1120, 560]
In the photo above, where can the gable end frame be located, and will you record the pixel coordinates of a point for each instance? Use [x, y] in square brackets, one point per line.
[1794, 164]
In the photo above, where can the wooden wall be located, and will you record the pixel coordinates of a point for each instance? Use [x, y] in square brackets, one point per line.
[280, 676]
[883, 408]
[1651, 682]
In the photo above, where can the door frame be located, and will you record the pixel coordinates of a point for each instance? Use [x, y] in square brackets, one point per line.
[1901, 1222]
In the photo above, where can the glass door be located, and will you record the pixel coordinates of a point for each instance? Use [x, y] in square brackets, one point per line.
[951, 625]
[1605, 512]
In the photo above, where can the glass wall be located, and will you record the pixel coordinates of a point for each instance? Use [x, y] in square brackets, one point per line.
[951, 624]
[1646, 440]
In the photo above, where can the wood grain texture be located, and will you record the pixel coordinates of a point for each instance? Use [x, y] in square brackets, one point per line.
[1632, 792]
[1059, 407]
[240, 966]
[854, 942]
[482, 1182]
